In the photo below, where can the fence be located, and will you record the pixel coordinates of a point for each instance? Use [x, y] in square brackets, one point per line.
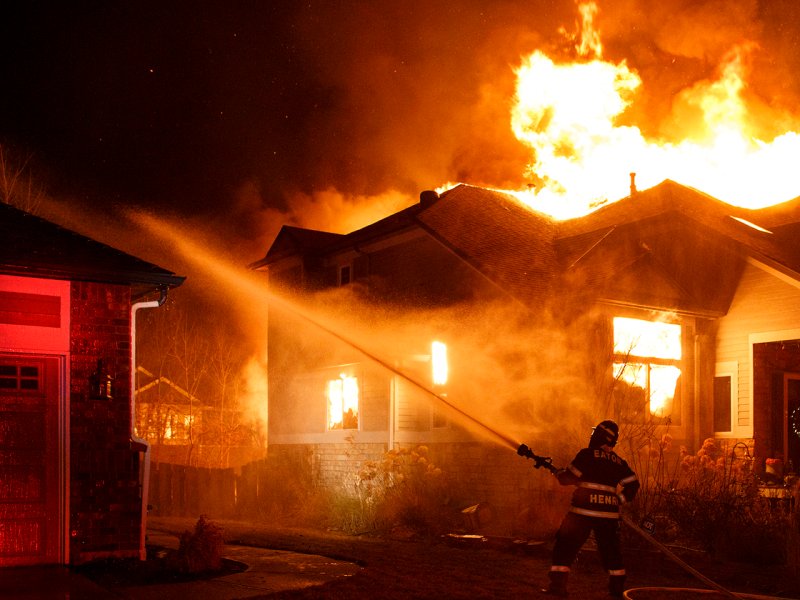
[247, 492]
[181, 491]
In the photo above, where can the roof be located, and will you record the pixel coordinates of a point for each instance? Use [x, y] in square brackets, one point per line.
[35, 247]
[668, 247]
[496, 234]
[156, 382]
[291, 240]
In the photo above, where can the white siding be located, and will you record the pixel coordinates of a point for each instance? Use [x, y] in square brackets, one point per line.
[766, 307]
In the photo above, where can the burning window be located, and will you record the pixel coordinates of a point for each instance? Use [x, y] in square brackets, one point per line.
[177, 426]
[647, 358]
[342, 395]
[439, 363]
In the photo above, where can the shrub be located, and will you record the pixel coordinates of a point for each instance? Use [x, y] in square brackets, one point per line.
[718, 503]
[201, 550]
[403, 489]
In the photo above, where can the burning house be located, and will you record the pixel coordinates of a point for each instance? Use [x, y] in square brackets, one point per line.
[675, 310]
[74, 474]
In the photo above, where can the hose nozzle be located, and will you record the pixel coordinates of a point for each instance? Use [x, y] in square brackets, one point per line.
[538, 461]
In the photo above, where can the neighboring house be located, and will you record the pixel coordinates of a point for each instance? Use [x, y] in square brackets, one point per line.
[72, 472]
[168, 417]
[692, 307]
[182, 429]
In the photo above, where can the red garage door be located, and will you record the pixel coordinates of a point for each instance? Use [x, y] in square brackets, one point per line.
[29, 460]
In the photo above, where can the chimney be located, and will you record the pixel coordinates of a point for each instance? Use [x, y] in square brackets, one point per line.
[633, 184]
[428, 197]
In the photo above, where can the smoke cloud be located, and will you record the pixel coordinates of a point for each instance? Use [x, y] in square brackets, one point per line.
[333, 115]
[411, 97]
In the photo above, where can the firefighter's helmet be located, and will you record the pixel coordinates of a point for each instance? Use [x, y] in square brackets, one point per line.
[605, 433]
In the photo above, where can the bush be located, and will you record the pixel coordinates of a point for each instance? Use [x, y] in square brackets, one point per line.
[201, 550]
[717, 502]
[711, 499]
[403, 489]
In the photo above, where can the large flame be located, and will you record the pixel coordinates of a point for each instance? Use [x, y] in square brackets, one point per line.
[568, 113]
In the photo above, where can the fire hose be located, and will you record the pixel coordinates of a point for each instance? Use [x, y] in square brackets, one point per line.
[547, 463]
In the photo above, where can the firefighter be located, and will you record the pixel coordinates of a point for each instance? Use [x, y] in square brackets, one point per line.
[604, 481]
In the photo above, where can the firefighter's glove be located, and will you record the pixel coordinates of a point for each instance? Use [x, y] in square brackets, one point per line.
[524, 451]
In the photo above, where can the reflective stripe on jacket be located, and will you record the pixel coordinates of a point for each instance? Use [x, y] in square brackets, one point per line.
[603, 481]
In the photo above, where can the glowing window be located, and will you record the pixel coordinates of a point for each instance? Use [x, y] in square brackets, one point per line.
[439, 363]
[647, 359]
[177, 426]
[342, 396]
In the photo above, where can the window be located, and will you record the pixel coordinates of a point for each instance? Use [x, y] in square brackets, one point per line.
[725, 397]
[23, 378]
[647, 358]
[439, 369]
[345, 275]
[439, 374]
[177, 426]
[722, 403]
[342, 396]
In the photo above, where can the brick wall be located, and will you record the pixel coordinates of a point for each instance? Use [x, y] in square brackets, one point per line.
[105, 505]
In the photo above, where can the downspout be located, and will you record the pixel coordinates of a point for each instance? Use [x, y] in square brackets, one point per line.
[392, 408]
[136, 442]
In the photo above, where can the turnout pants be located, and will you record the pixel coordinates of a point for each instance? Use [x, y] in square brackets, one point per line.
[574, 532]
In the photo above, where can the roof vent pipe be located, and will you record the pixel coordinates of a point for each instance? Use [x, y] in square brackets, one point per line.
[428, 197]
[633, 184]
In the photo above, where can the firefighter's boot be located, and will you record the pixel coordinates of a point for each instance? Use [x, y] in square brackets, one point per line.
[616, 586]
[558, 584]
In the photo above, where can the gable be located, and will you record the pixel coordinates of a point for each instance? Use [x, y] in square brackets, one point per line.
[665, 262]
[291, 241]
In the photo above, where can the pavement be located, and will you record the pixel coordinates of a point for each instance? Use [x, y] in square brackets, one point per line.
[266, 571]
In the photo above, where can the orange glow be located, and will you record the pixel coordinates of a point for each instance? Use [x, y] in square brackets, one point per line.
[567, 114]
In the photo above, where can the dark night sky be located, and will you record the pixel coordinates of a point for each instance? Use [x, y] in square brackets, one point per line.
[250, 114]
